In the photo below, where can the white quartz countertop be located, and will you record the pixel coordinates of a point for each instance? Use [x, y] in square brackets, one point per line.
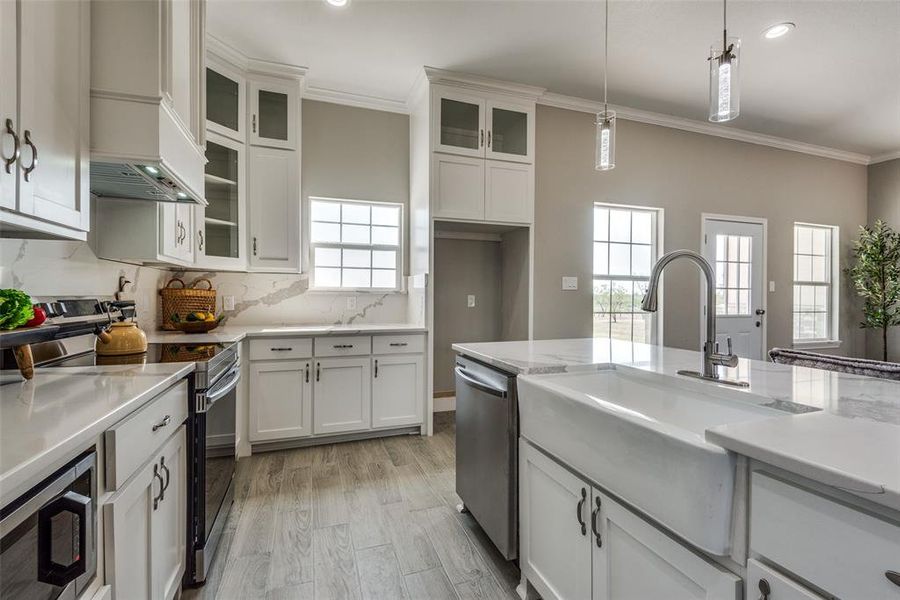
[840, 429]
[236, 333]
[48, 420]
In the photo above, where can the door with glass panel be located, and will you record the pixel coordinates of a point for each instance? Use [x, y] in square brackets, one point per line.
[220, 239]
[273, 114]
[460, 124]
[736, 249]
[225, 111]
[509, 131]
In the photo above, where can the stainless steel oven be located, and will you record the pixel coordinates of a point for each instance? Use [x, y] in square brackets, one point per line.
[48, 536]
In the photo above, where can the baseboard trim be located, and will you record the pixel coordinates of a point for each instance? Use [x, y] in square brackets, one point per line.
[332, 439]
[444, 403]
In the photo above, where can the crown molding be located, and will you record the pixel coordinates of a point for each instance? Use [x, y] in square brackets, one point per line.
[483, 84]
[880, 158]
[702, 127]
[265, 67]
[223, 51]
[355, 100]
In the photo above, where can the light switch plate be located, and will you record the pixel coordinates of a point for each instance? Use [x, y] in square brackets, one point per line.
[351, 302]
[771, 286]
[570, 283]
[227, 302]
[470, 301]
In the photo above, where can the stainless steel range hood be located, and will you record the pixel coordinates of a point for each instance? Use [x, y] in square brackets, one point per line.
[138, 182]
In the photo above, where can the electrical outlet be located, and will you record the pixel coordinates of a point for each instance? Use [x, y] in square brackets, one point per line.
[771, 286]
[351, 302]
[569, 283]
[227, 302]
[470, 301]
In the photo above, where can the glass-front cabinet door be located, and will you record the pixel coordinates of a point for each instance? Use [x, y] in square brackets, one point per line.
[273, 115]
[224, 100]
[220, 232]
[510, 133]
[459, 126]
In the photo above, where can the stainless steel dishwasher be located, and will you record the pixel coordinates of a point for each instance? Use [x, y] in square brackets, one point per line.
[487, 432]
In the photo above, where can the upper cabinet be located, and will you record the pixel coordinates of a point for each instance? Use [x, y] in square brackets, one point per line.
[510, 131]
[458, 120]
[44, 118]
[225, 100]
[221, 224]
[274, 113]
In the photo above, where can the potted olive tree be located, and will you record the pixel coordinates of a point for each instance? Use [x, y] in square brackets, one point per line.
[876, 278]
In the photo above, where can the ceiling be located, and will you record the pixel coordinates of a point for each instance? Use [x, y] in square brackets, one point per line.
[834, 81]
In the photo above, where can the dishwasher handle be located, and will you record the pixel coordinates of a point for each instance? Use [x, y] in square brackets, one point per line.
[480, 385]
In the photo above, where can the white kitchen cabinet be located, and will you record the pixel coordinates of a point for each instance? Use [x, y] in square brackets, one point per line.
[508, 192]
[458, 187]
[398, 383]
[765, 582]
[221, 226]
[274, 113]
[281, 404]
[458, 122]
[225, 99]
[144, 533]
[577, 543]
[510, 131]
[147, 232]
[342, 395]
[274, 176]
[45, 117]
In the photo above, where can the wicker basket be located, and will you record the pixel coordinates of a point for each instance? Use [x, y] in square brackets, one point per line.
[179, 302]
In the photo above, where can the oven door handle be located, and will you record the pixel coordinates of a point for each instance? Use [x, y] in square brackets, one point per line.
[50, 571]
[480, 385]
[221, 389]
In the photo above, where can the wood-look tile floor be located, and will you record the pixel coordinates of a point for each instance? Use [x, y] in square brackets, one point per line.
[358, 520]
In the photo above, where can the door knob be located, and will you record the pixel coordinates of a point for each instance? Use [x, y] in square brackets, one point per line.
[760, 311]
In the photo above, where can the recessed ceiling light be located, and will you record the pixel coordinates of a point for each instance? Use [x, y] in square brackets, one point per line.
[338, 3]
[776, 31]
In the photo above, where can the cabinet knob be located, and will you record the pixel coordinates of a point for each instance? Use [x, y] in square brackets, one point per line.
[579, 511]
[376, 367]
[34, 156]
[156, 475]
[11, 159]
[254, 245]
[318, 366]
[595, 514]
[166, 420]
[764, 589]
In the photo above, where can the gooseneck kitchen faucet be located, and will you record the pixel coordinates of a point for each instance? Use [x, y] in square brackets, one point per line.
[711, 356]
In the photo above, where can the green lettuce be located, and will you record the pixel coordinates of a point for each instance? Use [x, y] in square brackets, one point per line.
[15, 309]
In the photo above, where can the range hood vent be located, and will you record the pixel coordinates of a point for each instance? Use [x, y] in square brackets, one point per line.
[138, 182]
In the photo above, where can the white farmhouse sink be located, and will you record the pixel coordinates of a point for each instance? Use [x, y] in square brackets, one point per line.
[640, 435]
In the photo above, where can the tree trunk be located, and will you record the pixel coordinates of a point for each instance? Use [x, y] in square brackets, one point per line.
[884, 336]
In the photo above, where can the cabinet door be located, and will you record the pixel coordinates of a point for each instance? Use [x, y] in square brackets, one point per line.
[274, 209]
[175, 229]
[634, 559]
[458, 187]
[341, 397]
[398, 389]
[127, 535]
[458, 126]
[510, 132]
[54, 63]
[273, 114]
[508, 192]
[225, 110]
[9, 56]
[280, 399]
[555, 547]
[220, 226]
[762, 580]
[167, 536]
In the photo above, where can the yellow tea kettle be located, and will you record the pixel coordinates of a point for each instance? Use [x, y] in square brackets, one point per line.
[121, 337]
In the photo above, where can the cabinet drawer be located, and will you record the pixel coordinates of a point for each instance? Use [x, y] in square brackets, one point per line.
[351, 345]
[398, 344]
[133, 440]
[762, 580]
[840, 549]
[275, 348]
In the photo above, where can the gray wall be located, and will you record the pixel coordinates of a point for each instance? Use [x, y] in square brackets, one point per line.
[686, 174]
[354, 153]
[514, 285]
[884, 204]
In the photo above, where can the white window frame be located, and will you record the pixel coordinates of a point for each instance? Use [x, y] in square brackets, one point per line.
[656, 250]
[399, 248]
[832, 338]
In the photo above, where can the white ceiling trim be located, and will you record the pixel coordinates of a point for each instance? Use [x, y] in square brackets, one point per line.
[880, 158]
[702, 127]
[355, 100]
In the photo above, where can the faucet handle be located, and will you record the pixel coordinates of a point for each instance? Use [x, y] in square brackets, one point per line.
[730, 348]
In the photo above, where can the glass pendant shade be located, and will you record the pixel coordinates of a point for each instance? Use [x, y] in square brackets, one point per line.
[605, 156]
[724, 81]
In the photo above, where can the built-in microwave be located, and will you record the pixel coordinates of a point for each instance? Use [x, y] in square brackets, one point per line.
[47, 536]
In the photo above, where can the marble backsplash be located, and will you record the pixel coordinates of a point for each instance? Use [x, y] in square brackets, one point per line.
[45, 268]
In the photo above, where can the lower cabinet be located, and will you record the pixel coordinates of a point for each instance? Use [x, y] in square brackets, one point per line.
[764, 582]
[578, 543]
[342, 394]
[145, 527]
[397, 384]
[281, 406]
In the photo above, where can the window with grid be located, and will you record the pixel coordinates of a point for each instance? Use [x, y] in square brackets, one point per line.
[355, 244]
[815, 276]
[625, 248]
[733, 264]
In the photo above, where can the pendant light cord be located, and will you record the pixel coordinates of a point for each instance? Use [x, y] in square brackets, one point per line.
[724, 26]
[605, 57]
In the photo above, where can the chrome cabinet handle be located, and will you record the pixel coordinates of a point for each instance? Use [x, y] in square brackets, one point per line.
[376, 367]
[595, 514]
[342, 346]
[307, 372]
[764, 589]
[34, 156]
[253, 121]
[318, 366]
[166, 420]
[285, 349]
[893, 577]
[10, 160]
[162, 465]
[254, 245]
[489, 138]
[578, 511]
[200, 239]
[157, 499]
[482, 137]
[398, 344]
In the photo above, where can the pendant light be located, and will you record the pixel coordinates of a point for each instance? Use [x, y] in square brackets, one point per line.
[605, 155]
[724, 75]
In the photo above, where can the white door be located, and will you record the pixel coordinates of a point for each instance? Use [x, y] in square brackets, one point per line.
[508, 192]
[555, 546]
[54, 68]
[167, 538]
[458, 186]
[342, 395]
[634, 560]
[175, 231]
[9, 116]
[273, 114]
[280, 399]
[737, 251]
[510, 131]
[459, 123]
[398, 385]
[274, 200]
[225, 93]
